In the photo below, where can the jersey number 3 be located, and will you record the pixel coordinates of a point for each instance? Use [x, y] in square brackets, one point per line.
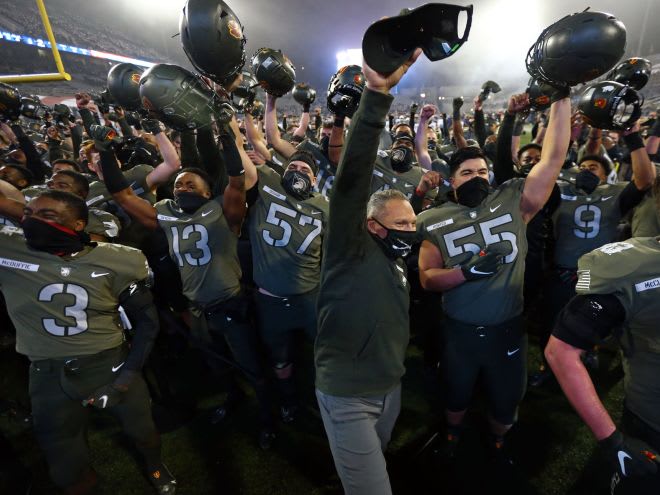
[273, 219]
[75, 311]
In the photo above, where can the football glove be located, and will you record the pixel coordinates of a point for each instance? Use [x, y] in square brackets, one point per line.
[631, 456]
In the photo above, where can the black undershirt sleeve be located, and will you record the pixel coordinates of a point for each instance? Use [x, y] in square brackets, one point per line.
[137, 302]
[588, 319]
[630, 197]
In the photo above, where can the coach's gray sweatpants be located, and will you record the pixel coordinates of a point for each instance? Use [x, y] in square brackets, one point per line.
[358, 430]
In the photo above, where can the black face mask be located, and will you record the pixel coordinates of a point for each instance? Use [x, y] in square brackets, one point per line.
[401, 159]
[586, 181]
[472, 192]
[190, 202]
[52, 237]
[297, 184]
[397, 243]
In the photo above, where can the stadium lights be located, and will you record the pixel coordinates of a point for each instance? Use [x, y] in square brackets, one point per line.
[352, 56]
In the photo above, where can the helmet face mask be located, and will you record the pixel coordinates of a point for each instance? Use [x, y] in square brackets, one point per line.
[576, 49]
[180, 99]
[345, 90]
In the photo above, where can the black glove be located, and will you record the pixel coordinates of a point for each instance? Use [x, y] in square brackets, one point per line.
[104, 137]
[151, 126]
[555, 93]
[655, 129]
[414, 107]
[631, 456]
[482, 265]
[104, 397]
[457, 103]
[306, 106]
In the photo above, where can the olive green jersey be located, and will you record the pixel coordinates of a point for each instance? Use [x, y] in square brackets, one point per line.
[205, 250]
[630, 271]
[286, 236]
[66, 306]
[384, 177]
[585, 222]
[99, 222]
[8, 221]
[497, 222]
[132, 233]
[102, 223]
[326, 174]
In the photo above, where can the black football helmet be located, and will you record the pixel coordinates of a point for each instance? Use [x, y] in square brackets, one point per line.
[635, 72]
[180, 99]
[274, 71]
[539, 96]
[212, 38]
[610, 105]
[345, 90]
[248, 86]
[304, 94]
[10, 102]
[389, 42]
[32, 108]
[576, 49]
[124, 85]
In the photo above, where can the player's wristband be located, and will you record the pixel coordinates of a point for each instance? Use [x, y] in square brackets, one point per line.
[339, 122]
[306, 107]
[633, 141]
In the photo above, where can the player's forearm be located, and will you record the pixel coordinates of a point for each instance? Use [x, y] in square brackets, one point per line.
[421, 145]
[170, 165]
[254, 137]
[272, 131]
[576, 383]
[652, 145]
[301, 130]
[459, 137]
[441, 279]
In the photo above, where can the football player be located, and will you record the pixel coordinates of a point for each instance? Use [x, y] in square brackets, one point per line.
[618, 293]
[63, 294]
[473, 251]
[287, 220]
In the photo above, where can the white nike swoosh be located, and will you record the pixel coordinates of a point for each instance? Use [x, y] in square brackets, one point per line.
[408, 185]
[95, 275]
[115, 368]
[605, 198]
[511, 353]
[316, 212]
[492, 210]
[204, 213]
[104, 398]
[622, 461]
[477, 272]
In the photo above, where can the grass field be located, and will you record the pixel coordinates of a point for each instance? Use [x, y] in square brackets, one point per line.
[555, 452]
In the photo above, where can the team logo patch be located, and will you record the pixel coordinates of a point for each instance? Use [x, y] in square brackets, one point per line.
[398, 155]
[235, 29]
[135, 78]
[473, 214]
[600, 103]
[542, 100]
[65, 271]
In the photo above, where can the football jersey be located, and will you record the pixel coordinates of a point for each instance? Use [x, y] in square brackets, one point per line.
[132, 233]
[630, 271]
[497, 222]
[8, 222]
[66, 306]
[326, 174]
[204, 250]
[384, 177]
[584, 222]
[286, 236]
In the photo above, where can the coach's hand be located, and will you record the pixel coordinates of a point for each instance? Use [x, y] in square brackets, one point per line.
[384, 82]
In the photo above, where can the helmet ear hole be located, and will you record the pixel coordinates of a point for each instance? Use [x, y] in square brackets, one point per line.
[610, 105]
[273, 71]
